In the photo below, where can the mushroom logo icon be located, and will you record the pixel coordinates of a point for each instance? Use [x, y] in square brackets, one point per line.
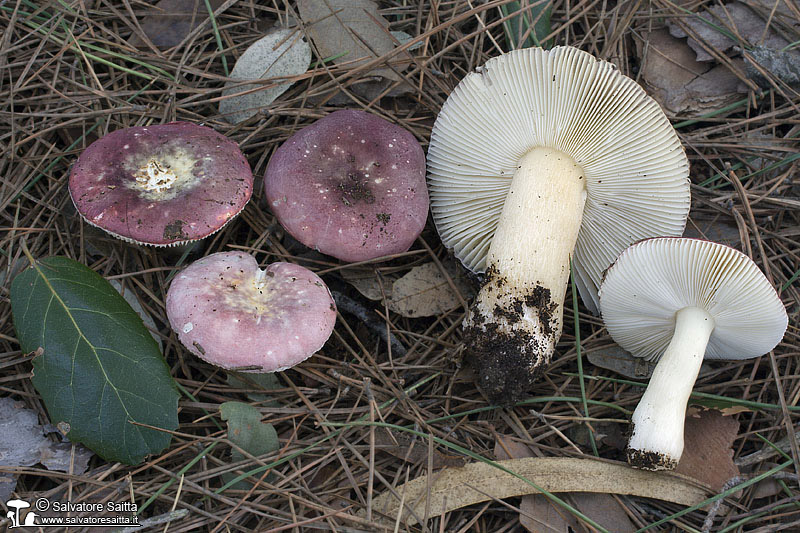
[13, 515]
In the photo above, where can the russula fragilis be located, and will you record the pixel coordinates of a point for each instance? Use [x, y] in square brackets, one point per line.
[537, 158]
[350, 185]
[232, 314]
[677, 301]
[161, 185]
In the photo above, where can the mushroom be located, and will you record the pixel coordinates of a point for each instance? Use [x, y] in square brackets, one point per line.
[232, 314]
[161, 185]
[677, 301]
[538, 158]
[351, 185]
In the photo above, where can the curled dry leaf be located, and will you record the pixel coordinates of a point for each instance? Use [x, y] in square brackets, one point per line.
[454, 488]
[540, 515]
[678, 81]
[281, 54]
[348, 30]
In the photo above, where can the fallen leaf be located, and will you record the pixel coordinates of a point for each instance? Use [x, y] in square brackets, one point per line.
[170, 21]
[347, 31]
[454, 488]
[81, 322]
[678, 81]
[618, 360]
[23, 442]
[707, 454]
[424, 291]
[246, 431]
[539, 515]
[281, 54]
[413, 450]
[508, 448]
[367, 282]
[782, 64]
[734, 19]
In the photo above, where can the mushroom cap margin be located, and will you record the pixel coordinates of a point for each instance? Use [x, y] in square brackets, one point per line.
[653, 279]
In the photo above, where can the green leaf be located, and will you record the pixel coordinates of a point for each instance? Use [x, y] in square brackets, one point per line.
[100, 369]
[246, 430]
[538, 15]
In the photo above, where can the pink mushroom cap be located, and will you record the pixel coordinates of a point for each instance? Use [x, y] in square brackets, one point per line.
[161, 185]
[351, 185]
[232, 314]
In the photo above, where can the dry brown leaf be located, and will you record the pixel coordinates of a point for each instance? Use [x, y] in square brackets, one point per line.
[350, 27]
[678, 81]
[506, 447]
[424, 291]
[538, 515]
[170, 21]
[707, 454]
[413, 450]
[454, 488]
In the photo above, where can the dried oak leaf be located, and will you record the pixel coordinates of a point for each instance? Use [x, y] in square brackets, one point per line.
[678, 81]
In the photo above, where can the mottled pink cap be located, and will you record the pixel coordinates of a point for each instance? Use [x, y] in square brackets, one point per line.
[351, 185]
[232, 314]
[161, 185]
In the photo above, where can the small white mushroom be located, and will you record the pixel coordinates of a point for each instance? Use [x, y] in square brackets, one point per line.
[677, 301]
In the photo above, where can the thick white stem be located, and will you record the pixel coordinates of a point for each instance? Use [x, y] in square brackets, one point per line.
[516, 321]
[656, 442]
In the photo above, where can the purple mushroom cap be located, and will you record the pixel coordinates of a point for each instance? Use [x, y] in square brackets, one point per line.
[161, 185]
[232, 314]
[351, 185]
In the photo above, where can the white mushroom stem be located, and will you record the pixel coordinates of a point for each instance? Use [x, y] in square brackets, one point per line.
[519, 309]
[657, 439]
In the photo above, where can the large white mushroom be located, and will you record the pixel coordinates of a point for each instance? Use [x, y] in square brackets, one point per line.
[537, 158]
[677, 301]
